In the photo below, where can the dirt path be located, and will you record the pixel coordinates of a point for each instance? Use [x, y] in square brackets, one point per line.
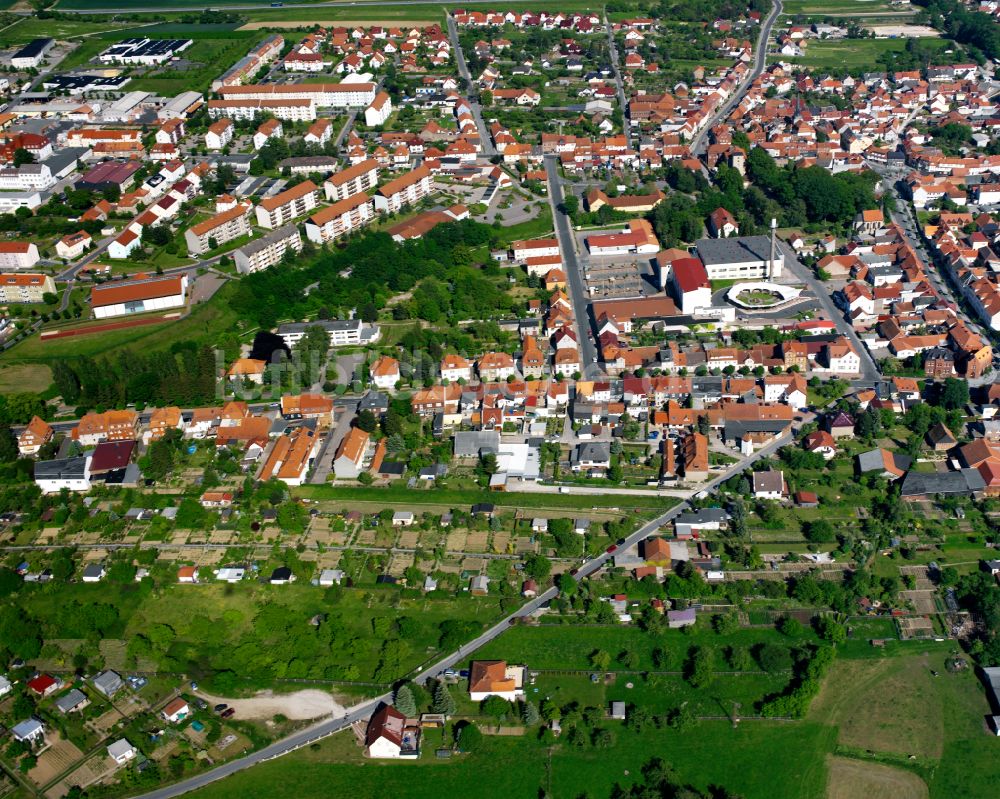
[299, 706]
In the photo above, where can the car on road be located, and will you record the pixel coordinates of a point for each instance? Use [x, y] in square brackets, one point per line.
[611, 548]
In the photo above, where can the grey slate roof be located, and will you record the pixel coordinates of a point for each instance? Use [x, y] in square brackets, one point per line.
[739, 250]
[472, 444]
[964, 481]
[69, 701]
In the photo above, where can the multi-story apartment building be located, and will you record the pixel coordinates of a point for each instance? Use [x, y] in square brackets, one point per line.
[229, 225]
[340, 218]
[219, 134]
[355, 179]
[248, 108]
[18, 254]
[404, 190]
[282, 208]
[25, 287]
[267, 250]
[324, 95]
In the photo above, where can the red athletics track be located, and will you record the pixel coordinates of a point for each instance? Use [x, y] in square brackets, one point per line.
[83, 331]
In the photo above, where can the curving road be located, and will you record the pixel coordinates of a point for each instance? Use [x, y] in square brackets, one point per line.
[759, 62]
[363, 710]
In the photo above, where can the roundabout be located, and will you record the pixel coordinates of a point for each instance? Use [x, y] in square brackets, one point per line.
[755, 296]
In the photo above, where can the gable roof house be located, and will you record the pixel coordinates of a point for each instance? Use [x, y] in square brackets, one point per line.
[496, 678]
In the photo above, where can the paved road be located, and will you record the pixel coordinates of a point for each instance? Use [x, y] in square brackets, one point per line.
[486, 141]
[363, 710]
[616, 66]
[324, 461]
[759, 62]
[869, 370]
[574, 272]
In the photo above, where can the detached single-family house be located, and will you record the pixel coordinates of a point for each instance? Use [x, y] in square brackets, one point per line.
[388, 736]
[121, 751]
[496, 678]
[769, 485]
[175, 710]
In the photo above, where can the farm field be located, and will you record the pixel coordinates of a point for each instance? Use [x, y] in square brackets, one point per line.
[24, 377]
[836, 7]
[908, 712]
[856, 53]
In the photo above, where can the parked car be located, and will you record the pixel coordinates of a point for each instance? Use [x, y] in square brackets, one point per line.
[228, 713]
[220, 707]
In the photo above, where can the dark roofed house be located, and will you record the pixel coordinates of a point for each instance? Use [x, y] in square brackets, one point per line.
[922, 485]
[110, 456]
[72, 701]
[940, 438]
[388, 735]
[840, 425]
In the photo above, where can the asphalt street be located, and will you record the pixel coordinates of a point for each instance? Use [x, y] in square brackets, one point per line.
[486, 141]
[759, 62]
[574, 272]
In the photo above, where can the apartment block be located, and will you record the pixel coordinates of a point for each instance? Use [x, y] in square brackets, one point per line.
[340, 218]
[229, 225]
[267, 250]
[361, 177]
[282, 208]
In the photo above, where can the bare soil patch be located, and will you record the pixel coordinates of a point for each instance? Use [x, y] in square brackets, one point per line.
[299, 706]
[849, 779]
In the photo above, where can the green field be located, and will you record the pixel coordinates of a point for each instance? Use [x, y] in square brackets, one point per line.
[857, 53]
[260, 631]
[835, 7]
[758, 760]
[930, 725]
[711, 753]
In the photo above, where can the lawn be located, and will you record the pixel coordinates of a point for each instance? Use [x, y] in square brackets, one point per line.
[552, 646]
[35, 378]
[211, 627]
[204, 324]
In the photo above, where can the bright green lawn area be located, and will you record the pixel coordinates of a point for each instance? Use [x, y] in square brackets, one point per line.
[204, 324]
[541, 225]
[857, 53]
[217, 624]
[711, 753]
[30, 28]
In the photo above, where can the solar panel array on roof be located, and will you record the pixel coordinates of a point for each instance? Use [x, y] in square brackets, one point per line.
[139, 50]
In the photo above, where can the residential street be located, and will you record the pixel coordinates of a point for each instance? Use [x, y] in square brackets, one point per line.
[574, 273]
[486, 141]
[759, 62]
